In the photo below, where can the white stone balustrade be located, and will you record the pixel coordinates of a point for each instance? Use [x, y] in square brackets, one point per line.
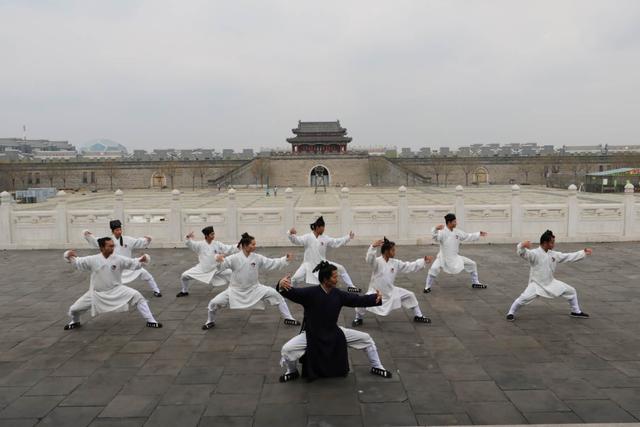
[405, 223]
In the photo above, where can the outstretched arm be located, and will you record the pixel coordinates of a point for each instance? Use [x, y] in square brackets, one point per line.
[411, 267]
[573, 256]
[292, 234]
[340, 241]
[90, 238]
[354, 300]
[297, 295]
[79, 263]
[468, 237]
[274, 263]
[228, 249]
[135, 263]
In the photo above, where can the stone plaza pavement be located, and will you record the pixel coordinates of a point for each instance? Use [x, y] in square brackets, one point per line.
[470, 366]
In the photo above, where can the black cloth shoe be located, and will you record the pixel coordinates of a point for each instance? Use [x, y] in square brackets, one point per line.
[289, 377]
[208, 325]
[157, 294]
[154, 325]
[427, 290]
[291, 322]
[511, 317]
[74, 325]
[182, 294]
[357, 322]
[421, 319]
[581, 315]
[381, 372]
[478, 286]
[354, 290]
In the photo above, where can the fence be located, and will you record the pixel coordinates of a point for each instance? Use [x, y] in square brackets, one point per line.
[406, 224]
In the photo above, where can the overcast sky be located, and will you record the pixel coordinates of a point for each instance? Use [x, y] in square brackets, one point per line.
[184, 74]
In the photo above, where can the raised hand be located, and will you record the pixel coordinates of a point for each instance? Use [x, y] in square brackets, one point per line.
[428, 259]
[293, 231]
[285, 282]
[87, 233]
[219, 258]
[377, 243]
[289, 256]
[526, 244]
[144, 258]
[588, 251]
[440, 227]
[148, 238]
[483, 234]
[352, 235]
[71, 254]
[190, 235]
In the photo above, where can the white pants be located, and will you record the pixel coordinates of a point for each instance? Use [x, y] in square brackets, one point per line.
[300, 276]
[295, 348]
[530, 294]
[219, 279]
[272, 296]
[401, 298]
[83, 304]
[470, 267]
[147, 277]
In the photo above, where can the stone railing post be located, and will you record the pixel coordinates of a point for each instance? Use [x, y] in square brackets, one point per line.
[61, 217]
[516, 212]
[289, 210]
[5, 219]
[629, 205]
[118, 206]
[572, 211]
[403, 213]
[459, 206]
[232, 215]
[175, 218]
[346, 216]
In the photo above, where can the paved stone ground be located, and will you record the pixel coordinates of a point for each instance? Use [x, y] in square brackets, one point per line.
[469, 366]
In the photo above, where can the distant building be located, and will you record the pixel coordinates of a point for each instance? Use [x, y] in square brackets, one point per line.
[445, 151]
[424, 152]
[247, 154]
[582, 149]
[228, 153]
[54, 154]
[28, 145]
[319, 138]
[406, 152]
[102, 148]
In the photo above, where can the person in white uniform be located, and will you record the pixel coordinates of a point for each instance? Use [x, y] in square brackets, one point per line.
[124, 247]
[385, 268]
[543, 261]
[448, 260]
[245, 290]
[315, 250]
[106, 292]
[206, 270]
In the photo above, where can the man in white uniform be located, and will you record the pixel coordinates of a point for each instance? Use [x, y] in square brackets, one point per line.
[315, 250]
[448, 259]
[543, 262]
[124, 246]
[206, 270]
[245, 290]
[106, 292]
[385, 269]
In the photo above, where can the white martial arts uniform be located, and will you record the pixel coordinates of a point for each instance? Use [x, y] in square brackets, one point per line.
[245, 291]
[383, 279]
[126, 250]
[106, 292]
[448, 259]
[541, 281]
[315, 250]
[295, 348]
[206, 270]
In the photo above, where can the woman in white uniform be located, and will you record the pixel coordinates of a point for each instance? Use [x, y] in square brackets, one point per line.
[385, 268]
[543, 262]
[245, 290]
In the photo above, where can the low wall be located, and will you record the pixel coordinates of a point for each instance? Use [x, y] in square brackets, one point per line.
[406, 224]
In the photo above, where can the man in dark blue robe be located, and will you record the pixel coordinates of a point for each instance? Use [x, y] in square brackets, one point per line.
[322, 344]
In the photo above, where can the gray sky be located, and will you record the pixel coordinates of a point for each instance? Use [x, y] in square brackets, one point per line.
[184, 74]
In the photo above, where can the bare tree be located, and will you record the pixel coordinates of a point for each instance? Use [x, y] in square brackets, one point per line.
[440, 168]
[111, 169]
[260, 169]
[377, 168]
[468, 166]
[525, 169]
[170, 169]
[202, 172]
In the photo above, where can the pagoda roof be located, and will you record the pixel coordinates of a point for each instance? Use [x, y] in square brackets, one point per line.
[319, 127]
[320, 139]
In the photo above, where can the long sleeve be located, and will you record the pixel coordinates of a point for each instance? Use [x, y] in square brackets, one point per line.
[525, 253]
[435, 234]
[411, 267]
[273, 263]
[194, 246]
[353, 300]
[140, 243]
[131, 263]
[337, 242]
[297, 295]
[221, 266]
[91, 239]
[228, 249]
[570, 256]
[295, 239]
[80, 263]
[468, 237]
[370, 258]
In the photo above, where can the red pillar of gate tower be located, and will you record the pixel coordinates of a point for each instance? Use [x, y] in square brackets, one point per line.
[319, 138]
